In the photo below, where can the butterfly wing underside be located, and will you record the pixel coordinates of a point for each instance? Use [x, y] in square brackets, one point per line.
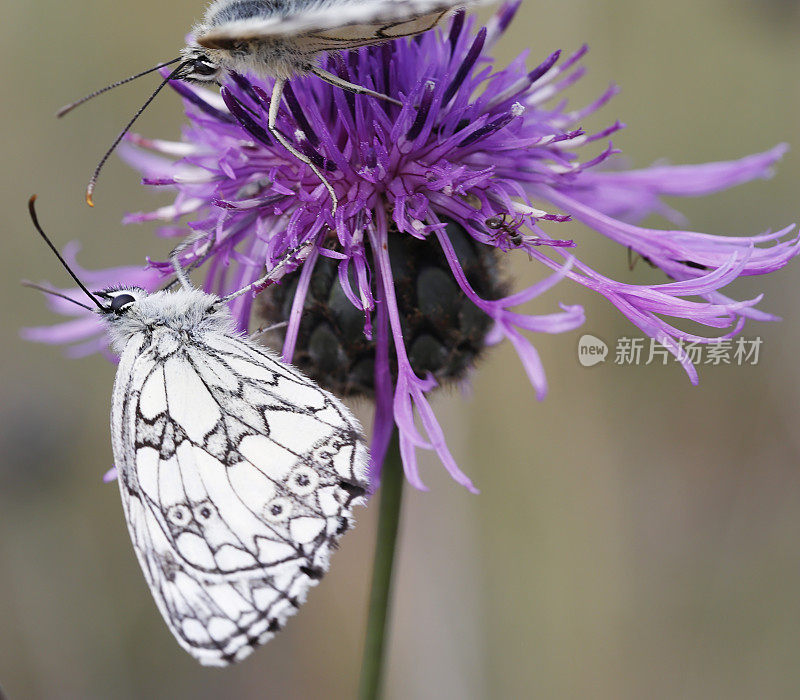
[237, 477]
[336, 25]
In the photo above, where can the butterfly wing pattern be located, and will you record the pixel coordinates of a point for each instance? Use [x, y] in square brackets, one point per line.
[323, 25]
[237, 476]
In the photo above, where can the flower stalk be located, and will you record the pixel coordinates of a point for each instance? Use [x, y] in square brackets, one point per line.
[372, 665]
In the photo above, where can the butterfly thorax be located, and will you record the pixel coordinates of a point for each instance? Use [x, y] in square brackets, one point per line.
[265, 58]
[178, 314]
[278, 56]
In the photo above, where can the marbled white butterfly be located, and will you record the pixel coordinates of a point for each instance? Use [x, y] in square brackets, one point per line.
[238, 474]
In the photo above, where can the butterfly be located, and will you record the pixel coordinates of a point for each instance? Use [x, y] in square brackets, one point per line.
[238, 474]
[283, 39]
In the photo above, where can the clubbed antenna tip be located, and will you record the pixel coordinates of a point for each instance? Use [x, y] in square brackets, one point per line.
[118, 140]
[38, 227]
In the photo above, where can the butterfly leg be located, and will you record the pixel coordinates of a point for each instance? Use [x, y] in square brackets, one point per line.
[295, 255]
[336, 81]
[274, 105]
[267, 329]
[174, 258]
[180, 273]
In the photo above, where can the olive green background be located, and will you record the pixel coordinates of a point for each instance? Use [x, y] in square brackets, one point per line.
[635, 536]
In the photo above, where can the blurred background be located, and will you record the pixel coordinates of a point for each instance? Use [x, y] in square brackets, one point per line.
[635, 536]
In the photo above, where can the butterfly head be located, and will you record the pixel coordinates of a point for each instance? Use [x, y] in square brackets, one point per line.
[199, 66]
[128, 311]
[117, 302]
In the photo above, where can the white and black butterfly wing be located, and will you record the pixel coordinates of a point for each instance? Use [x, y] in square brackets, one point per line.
[237, 477]
[333, 25]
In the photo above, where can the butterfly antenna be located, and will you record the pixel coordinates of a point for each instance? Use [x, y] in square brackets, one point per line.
[66, 109]
[53, 293]
[35, 219]
[93, 182]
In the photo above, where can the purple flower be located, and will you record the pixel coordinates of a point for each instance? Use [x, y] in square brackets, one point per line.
[479, 161]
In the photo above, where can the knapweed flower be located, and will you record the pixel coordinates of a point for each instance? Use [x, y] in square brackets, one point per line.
[401, 290]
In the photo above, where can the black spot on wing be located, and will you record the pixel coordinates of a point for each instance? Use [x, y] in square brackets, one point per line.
[353, 490]
[313, 572]
[274, 626]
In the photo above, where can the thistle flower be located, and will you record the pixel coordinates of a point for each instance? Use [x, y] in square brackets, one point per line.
[401, 291]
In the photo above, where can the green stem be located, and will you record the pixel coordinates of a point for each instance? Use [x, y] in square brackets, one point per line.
[372, 664]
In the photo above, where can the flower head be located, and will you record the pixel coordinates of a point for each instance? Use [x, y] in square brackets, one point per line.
[401, 290]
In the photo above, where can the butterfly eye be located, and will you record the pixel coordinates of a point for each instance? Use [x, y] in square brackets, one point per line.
[203, 68]
[303, 481]
[118, 303]
[278, 510]
[179, 514]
